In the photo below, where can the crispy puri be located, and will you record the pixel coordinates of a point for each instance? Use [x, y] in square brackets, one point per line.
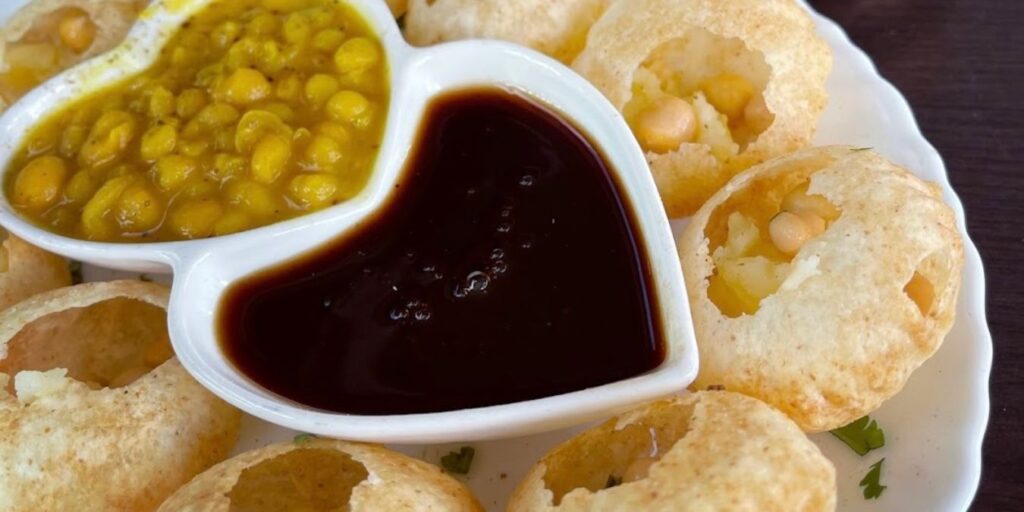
[47, 36]
[751, 71]
[321, 474]
[711, 450]
[555, 27]
[855, 310]
[26, 270]
[100, 415]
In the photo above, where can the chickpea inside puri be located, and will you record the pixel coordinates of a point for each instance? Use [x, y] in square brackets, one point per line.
[754, 259]
[256, 111]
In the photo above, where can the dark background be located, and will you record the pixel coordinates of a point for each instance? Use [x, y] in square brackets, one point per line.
[960, 63]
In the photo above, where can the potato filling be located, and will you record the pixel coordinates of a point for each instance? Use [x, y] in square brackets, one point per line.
[700, 89]
[755, 259]
[302, 479]
[256, 111]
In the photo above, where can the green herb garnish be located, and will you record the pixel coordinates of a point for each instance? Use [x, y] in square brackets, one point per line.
[460, 461]
[304, 438]
[613, 481]
[872, 488]
[862, 435]
[76, 271]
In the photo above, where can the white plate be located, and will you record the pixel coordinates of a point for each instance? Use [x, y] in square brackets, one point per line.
[934, 427]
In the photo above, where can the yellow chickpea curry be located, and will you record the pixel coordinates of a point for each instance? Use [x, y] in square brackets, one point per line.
[256, 111]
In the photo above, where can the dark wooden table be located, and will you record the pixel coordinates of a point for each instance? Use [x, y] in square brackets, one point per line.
[960, 63]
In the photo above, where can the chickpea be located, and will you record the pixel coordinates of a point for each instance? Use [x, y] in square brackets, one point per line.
[665, 124]
[72, 140]
[190, 102]
[255, 198]
[324, 152]
[270, 157]
[195, 218]
[226, 33]
[314, 191]
[226, 166]
[281, 110]
[289, 88]
[356, 55]
[254, 125]
[233, 221]
[799, 201]
[245, 86]
[350, 107]
[264, 24]
[788, 232]
[728, 93]
[328, 40]
[109, 137]
[161, 102]
[94, 222]
[158, 141]
[80, 187]
[756, 114]
[334, 130]
[271, 59]
[320, 87]
[193, 148]
[198, 187]
[39, 183]
[77, 31]
[921, 291]
[212, 117]
[139, 208]
[173, 170]
[297, 28]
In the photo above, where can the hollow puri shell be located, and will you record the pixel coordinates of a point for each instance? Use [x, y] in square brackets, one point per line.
[715, 35]
[26, 270]
[67, 442]
[321, 474]
[555, 27]
[713, 450]
[840, 335]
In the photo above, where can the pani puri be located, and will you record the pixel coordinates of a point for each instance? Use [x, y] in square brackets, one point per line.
[100, 415]
[820, 281]
[26, 270]
[709, 87]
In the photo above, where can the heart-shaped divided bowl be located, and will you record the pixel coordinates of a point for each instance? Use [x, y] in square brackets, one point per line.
[204, 269]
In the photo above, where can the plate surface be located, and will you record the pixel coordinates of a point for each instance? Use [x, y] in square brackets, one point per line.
[934, 427]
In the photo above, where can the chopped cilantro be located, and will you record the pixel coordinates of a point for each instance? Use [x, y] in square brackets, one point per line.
[76, 271]
[613, 481]
[460, 461]
[304, 438]
[872, 488]
[862, 435]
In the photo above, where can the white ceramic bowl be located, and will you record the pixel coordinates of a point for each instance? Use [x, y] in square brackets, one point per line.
[203, 269]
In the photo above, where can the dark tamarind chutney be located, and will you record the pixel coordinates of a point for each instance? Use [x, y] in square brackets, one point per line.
[505, 266]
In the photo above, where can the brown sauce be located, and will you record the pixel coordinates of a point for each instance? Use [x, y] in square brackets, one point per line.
[505, 267]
